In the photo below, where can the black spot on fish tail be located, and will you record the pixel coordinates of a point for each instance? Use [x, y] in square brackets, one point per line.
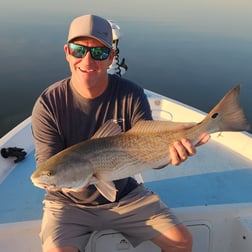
[215, 115]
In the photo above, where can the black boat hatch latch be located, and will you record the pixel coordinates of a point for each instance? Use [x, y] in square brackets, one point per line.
[19, 153]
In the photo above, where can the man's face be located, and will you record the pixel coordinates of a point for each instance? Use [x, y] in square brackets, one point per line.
[88, 71]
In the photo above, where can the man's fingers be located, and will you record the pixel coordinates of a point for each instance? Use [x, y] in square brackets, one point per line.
[180, 151]
[204, 139]
[189, 148]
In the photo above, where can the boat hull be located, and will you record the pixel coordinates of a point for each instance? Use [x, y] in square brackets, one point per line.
[210, 192]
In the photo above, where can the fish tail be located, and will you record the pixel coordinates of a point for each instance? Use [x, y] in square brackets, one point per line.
[228, 115]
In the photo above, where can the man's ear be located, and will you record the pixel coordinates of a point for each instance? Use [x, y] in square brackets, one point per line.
[66, 51]
[111, 56]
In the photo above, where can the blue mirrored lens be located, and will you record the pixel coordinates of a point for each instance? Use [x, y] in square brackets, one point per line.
[97, 53]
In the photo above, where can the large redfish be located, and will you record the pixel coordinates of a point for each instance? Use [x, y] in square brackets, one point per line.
[112, 155]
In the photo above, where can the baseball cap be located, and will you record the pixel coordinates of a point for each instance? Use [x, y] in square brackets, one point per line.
[91, 26]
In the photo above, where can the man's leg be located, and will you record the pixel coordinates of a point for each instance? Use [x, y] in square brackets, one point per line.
[175, 239]
[65, 228]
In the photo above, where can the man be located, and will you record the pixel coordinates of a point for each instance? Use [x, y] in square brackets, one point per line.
[71, 111]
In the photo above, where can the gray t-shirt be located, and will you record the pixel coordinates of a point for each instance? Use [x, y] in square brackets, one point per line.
[61, 117]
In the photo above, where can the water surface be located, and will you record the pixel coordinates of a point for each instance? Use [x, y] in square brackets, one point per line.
[190, 50]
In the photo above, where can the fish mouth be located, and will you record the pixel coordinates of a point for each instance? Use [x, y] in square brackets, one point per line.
[52, 187]
[46, 186]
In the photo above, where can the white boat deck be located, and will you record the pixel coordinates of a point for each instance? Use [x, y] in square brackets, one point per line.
[211, 192]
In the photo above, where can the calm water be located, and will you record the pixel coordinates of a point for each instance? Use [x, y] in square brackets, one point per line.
[190, 50]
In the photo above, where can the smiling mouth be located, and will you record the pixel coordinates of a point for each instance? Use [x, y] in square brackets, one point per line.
[86, 70]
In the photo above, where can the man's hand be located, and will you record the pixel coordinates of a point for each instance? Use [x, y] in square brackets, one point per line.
[180, 150]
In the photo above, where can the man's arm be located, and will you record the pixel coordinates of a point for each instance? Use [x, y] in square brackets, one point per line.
[45, 133]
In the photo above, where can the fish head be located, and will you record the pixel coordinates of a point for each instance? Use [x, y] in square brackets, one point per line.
[61, 172]
[45, 178]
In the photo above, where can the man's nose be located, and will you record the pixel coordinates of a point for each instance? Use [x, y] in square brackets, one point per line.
[87, 57]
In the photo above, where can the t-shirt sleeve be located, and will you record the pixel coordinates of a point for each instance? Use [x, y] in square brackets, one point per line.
[141, 108]
[45, 131]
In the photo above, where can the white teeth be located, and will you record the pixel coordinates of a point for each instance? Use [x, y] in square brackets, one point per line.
[85, 70]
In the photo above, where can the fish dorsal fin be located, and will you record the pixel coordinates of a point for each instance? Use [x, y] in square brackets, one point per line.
[150, 126]
[109, 128]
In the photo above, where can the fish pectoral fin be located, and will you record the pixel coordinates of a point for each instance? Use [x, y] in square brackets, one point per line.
[106, 189]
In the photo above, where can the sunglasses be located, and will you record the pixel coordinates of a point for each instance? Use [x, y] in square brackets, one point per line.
[80, 51]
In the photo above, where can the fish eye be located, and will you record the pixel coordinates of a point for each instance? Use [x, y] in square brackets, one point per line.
[48, 173]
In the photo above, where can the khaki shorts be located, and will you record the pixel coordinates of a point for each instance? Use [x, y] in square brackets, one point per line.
[139, 216]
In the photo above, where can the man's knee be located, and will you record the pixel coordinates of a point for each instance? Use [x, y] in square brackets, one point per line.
[177, 238]
[186, 240]
[182, 238]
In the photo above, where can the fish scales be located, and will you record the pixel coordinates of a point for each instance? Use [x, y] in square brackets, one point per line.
[123, 155]
[117, 155]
